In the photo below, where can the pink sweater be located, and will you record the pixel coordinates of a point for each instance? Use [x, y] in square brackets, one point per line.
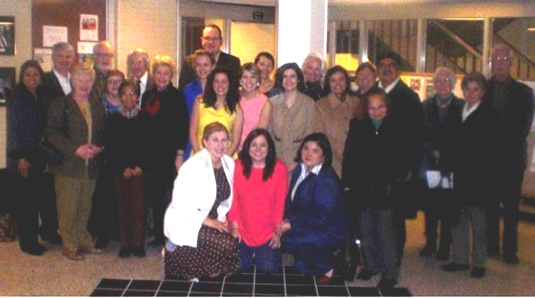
[257, 205]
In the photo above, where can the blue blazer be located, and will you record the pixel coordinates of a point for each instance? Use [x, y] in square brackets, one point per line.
[318, 207]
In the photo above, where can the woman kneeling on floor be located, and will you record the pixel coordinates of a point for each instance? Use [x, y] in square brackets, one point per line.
[195, 223]
[314, 228]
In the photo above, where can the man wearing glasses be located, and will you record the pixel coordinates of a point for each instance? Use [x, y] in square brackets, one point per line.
[407, 114]
[513, 102]
[103, 58]
[211, 41]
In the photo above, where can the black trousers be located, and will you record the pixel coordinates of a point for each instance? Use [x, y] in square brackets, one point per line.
[103, 221]
[160, 187]
[508, 191]
[437, 208]
[47, 207]
[28, 203]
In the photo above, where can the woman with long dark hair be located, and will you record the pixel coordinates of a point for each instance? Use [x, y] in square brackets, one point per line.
[26, 121]
[218, 103]
[260, 186]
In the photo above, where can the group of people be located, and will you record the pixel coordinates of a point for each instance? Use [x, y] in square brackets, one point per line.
[239, 164]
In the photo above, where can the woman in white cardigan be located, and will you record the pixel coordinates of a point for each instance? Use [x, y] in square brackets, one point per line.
[196, 220]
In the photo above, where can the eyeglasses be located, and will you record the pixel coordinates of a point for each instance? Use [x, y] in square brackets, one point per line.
[114, 82]
[376, 108]
[131, 95]
[387, 65]
[212, 39]
[107, 55]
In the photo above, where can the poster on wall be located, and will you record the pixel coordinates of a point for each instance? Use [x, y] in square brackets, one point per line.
[89, 27]
[44, 57]
[7, 83]
[7, 35]
[54, 34]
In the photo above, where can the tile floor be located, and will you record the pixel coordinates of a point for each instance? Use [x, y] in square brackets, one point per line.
[287, 282]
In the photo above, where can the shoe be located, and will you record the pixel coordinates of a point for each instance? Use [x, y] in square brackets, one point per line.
[138, 251]
[102, 242]
[89, 250]
[442, 255]
[452, 267]
[73, 255]
[427, 251]
[156, 242]
[124, 252]
[386, 284]
[478, 272]
[35, 250]
[365, 274]
[324, 280]
[52, 238]
[511, 259]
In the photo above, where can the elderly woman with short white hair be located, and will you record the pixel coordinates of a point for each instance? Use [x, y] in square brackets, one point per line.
[75, 127]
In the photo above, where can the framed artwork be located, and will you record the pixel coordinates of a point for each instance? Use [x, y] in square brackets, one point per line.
[7, 83]
[7, 35]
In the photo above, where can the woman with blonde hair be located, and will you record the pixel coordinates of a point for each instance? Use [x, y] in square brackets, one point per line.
[169, 124]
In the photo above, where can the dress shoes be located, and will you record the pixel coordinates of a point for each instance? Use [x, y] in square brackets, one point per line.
[427, 251]
[125, 252]
[34, 250]
[324, 280]
[452, 267]
[386, 284]
[53, 238]
[138, 251]
[73, 255]
[478, 272]
[365, 274]
[89, 250]
[511, 259]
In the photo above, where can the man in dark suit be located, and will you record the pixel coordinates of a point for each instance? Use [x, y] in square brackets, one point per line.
[407, 114]
[138, 69]
[211, 41]
[57, 83]
[313, 72]
[513, 103]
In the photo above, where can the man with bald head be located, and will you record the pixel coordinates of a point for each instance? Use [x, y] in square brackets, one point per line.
[103, 58]
[513, 102]
[211, 42]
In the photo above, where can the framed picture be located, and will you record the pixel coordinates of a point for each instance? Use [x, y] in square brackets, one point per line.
[7, 35]
[7, 83]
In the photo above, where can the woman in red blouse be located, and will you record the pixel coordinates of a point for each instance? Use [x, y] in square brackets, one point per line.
[260, 186]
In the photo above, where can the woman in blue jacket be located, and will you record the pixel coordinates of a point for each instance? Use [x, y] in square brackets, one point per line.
[314, 225]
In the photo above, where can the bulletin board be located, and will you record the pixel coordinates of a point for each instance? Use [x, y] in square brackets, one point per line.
[78, 22]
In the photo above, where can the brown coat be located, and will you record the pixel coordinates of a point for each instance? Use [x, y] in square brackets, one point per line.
[333, 120]
[67, 130]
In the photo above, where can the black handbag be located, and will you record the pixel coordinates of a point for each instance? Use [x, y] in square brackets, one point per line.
[52, 155]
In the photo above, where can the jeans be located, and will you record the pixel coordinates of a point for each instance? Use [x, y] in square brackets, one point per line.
[267, 259]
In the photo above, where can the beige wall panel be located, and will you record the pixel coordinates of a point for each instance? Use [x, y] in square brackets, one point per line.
[248, 39]
[151, 25]
[21, 10]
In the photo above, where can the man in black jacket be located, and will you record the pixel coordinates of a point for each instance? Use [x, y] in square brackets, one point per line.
[58, 81]
[211, 41]
[407, 115]
[513, 103]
